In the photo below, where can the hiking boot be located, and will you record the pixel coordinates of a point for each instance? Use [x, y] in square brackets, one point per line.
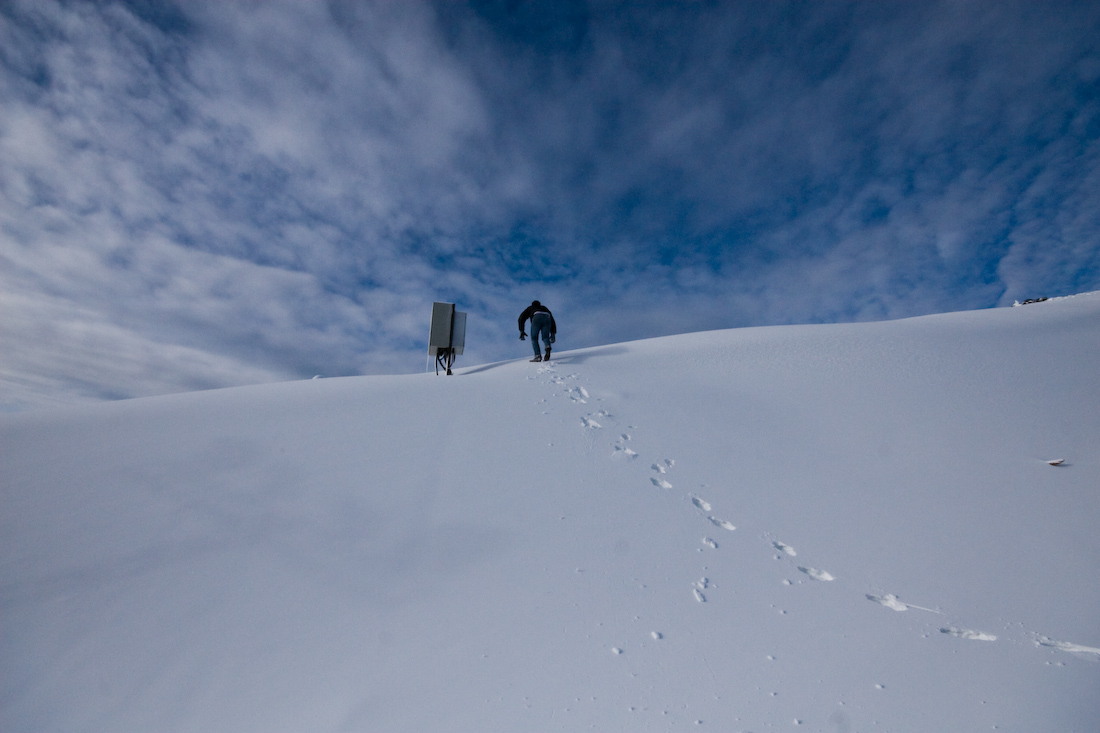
[537, 358]
[547, 357]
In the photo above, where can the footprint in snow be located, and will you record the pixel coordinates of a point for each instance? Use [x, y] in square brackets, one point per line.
[661, 483]
[659, 468]
[590, 423]
[1065, 646]
[722, 523]
[816, 574]
[784, 548]
[891, 601]
[701, 503]
[700, 586]
[967, 634]
[621, 449]
[710, 543]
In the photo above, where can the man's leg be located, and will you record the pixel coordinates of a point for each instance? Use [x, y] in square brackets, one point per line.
[545, 331]
[540, 324]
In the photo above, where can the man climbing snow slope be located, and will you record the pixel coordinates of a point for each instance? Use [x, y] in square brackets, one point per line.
[542, 322]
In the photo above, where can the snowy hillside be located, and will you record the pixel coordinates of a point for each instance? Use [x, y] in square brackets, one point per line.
[826, 528]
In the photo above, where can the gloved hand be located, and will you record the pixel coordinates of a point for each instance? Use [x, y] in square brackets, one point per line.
[553, 339]
[522, 336]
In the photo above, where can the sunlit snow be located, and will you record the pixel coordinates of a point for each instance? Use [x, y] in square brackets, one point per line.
[606, 541]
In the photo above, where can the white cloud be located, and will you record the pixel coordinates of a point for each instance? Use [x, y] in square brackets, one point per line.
[285, 187]
[78, 356]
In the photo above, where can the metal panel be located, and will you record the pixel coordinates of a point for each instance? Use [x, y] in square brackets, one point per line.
[458, 333]
[442, 320]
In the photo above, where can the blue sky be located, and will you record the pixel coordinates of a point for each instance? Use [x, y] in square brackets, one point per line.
[198, 195]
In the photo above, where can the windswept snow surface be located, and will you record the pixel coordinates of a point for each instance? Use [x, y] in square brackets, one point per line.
[628, 538]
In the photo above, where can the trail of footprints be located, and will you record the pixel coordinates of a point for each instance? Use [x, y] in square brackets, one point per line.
[783, 551]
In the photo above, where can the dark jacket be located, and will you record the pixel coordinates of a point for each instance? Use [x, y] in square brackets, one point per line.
[532, 310]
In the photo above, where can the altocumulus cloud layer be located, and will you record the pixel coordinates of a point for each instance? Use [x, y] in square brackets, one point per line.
[201, 194]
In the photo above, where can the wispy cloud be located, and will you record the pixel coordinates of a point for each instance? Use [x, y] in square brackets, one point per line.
[209, 194]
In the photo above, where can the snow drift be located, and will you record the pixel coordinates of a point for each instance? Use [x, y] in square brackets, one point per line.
[842, 527]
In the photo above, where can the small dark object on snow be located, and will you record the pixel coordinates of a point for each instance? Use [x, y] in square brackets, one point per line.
[1034, 300]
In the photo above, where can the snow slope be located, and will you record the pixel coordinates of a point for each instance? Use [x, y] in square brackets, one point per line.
[840, 527]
